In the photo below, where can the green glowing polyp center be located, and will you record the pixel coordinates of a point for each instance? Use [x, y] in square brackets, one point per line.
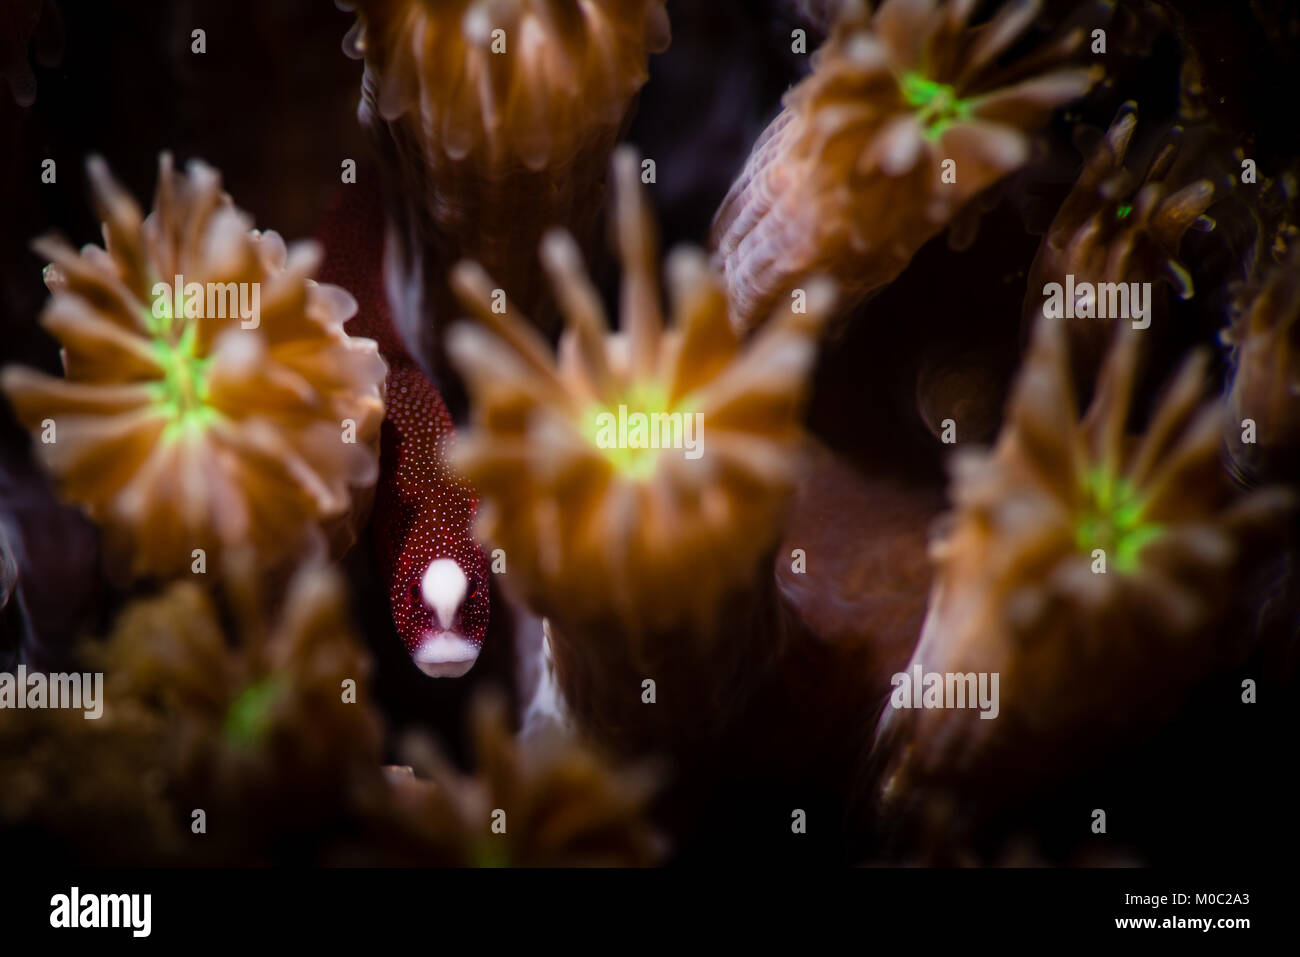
[249, 716]
[633, 432]
[1112, 520]
[182, 392]
[937, 104]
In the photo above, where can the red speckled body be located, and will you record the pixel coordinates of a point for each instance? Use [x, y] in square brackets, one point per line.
[422, 512]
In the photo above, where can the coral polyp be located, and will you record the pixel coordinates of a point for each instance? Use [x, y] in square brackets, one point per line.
[232, 701]
[904, 119]
[210, 395]
[1262, 430]
[247, 693]
[1115, 229]
[498, 120]
[936, 105]
[1112, 519]
[502, 80]
[594, 477]
[1080, 565]
[549, 802]
[635, 483]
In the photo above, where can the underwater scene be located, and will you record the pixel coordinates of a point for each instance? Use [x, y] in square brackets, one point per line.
[650, 433]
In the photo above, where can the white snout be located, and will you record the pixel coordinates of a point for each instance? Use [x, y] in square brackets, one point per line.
[445, 655]
[443, 587]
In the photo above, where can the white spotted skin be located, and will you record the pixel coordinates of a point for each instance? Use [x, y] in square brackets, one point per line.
[438, 575]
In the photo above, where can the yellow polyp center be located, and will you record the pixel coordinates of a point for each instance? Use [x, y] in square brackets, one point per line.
[1112, 520]
[937, 104]
[183, 391]
[636, 431]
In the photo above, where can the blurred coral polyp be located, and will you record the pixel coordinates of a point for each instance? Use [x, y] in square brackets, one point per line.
[494, 121]
[185, 432]
[642, 521]
[905, 118]
[1088, 567]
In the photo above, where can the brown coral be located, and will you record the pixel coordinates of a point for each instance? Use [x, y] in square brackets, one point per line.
[256, 712]
[234, 705]
[93, 791]
[1264, 390]
[203, 429]
[1087, 570]
[261, 710]
[548, 802]
[637, 554]
[496, 121]
[849, 181]
[1114, 229]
